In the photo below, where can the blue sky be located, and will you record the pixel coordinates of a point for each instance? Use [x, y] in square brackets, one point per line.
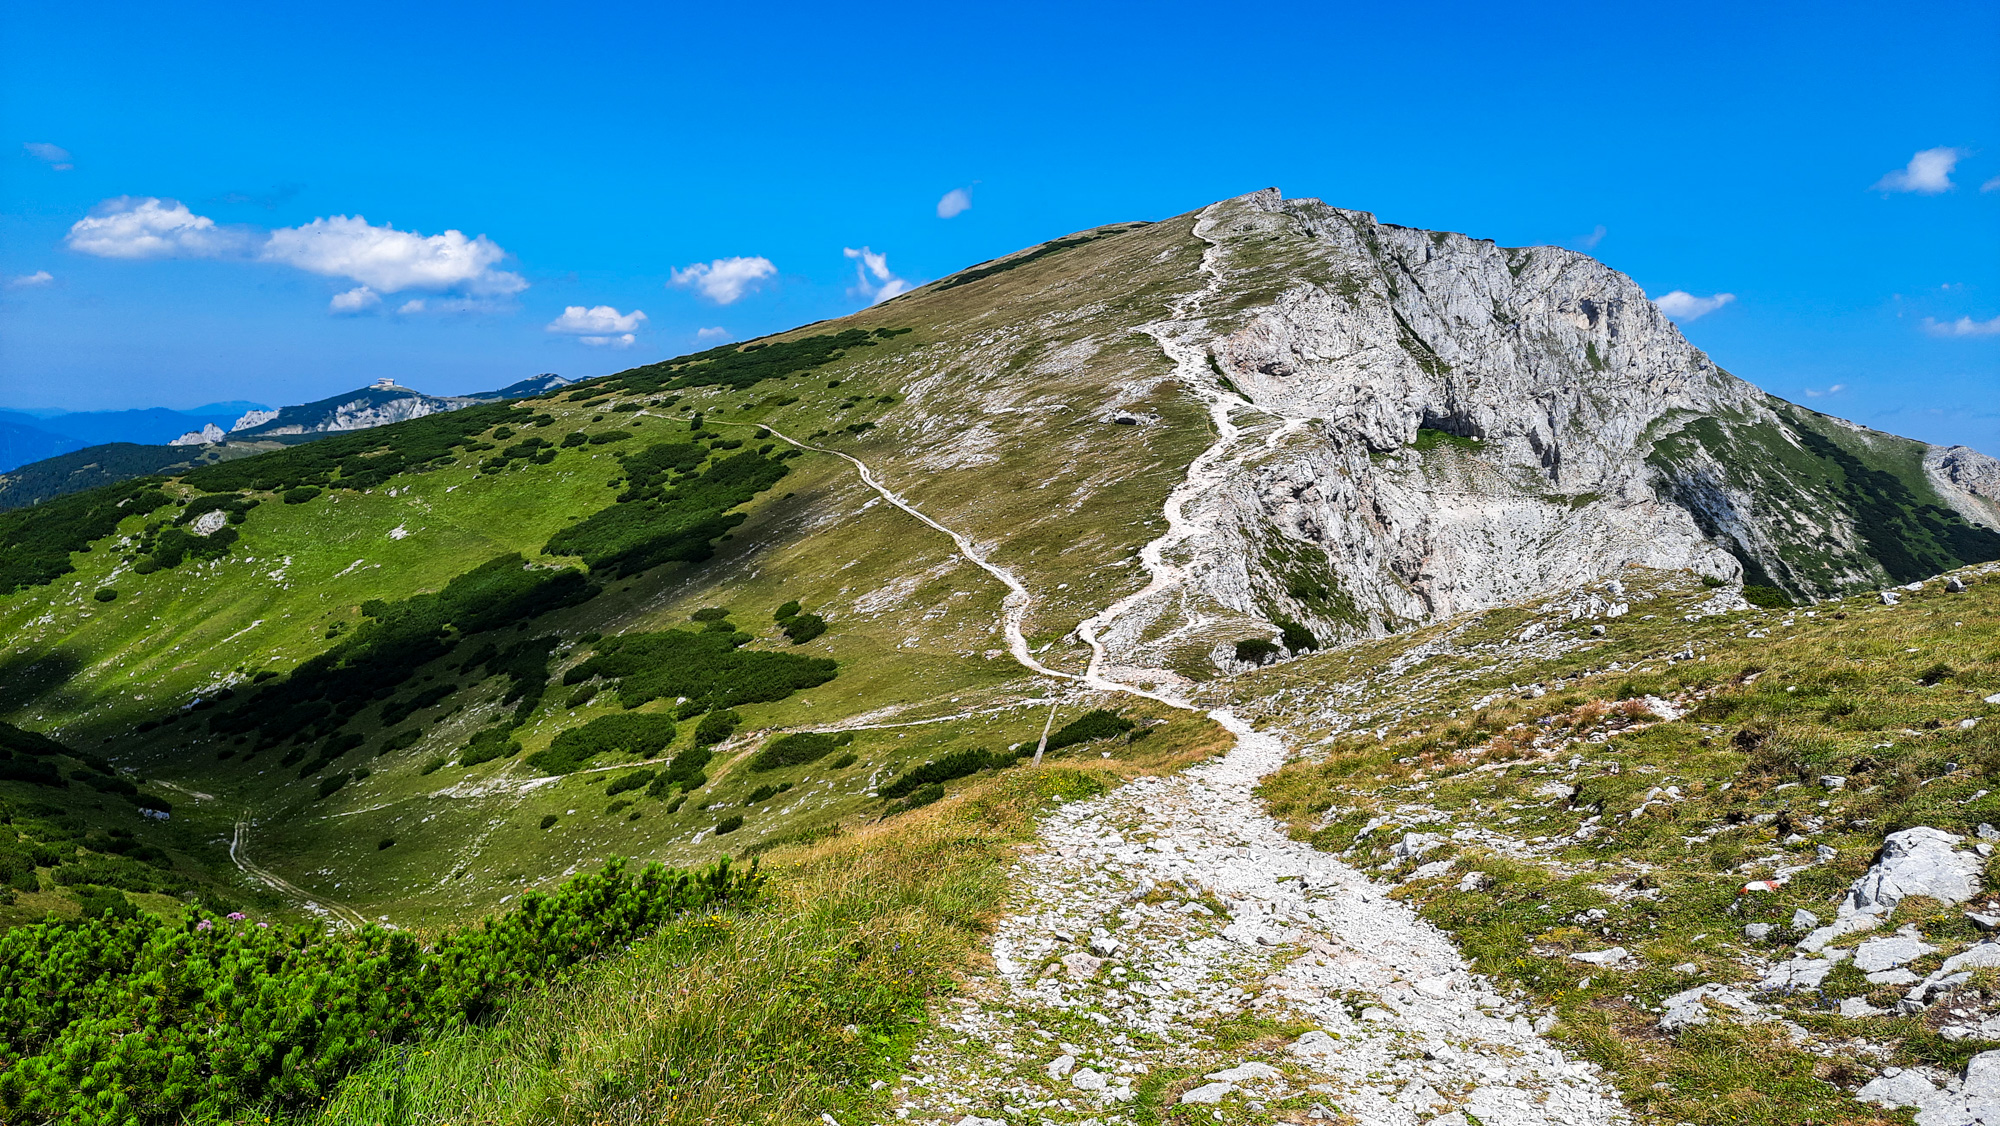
[530, 159]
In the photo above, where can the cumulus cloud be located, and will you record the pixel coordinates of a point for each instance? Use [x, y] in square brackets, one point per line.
[600, 325]
[1963, 326]
[1833, 390]
[55, 156]
[382, 259]
[146, 227]
[1992, 185]
[955, 202]
[29, 281]
[725, 279]
[1928, 173]
[1684, 306]
[885, 285]
[704, 335]
[413, 305]
[357, 300]
[624, 340]
[390, 260]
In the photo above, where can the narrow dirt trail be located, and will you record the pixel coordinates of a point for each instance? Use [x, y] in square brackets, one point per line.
[1151, 921]
[239, 852]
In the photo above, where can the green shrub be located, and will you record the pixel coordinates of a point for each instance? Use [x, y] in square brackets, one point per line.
[804, 627]
[287, 1010]
[618, 807]
[549, 820]
[106, 594]
[729, 824]
[1255, 650]
[582, 696]
[684, 771]
[643, 735]
[490, 744]
[786, 612]
[299, 494]
[331, 783]
[1298, 638]
[102, 903]
[793, 750]
[1767, 597]
[435, 764]
[715, 727]
[957, 764]
[844, 761]
[709, 614]
[633, 780]
[385, 842]
[762, 793]
[1090, 726]
[573, 439]
[921, 796]
[36, 542]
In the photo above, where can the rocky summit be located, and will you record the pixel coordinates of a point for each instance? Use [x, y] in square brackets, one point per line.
[1263, 665]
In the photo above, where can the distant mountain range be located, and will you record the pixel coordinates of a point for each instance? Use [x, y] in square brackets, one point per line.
[27, 436]
[44, 456]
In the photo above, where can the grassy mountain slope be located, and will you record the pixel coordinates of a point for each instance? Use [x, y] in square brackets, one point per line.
[1542, 775]
[989, 400]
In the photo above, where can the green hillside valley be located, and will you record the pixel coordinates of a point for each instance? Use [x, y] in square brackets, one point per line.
[1266, 665]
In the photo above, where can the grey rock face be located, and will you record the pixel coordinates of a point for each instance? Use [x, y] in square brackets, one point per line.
[1969, 479]
[1427, 423]
[1919, 861]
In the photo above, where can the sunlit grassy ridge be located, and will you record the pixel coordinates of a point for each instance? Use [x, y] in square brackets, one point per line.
[1538, 765]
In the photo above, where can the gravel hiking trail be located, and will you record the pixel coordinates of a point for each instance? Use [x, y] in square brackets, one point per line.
[1170, 946]
[239, 851]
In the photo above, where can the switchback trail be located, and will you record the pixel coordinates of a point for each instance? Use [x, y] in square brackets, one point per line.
[1151, 920]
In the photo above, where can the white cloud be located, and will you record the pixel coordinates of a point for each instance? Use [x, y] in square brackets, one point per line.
[955, 202]
[1590, 241]
[28, 281]
[1928, 173]
[703, 335]
[624, 341]
[413, 305]
[725, 279]
[1963, 326]
[55, 156]
[1684, 306]
[598, 325]
[1992, 185]
[1833, 390]
[387, 259]
[885, 285]
[355, 300]
[145, 227]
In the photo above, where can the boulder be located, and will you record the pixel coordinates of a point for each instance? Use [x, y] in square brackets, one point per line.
[1899, 1089]
[1887, 953]
[1207, 1094]
[1081, 966]
[1918, 861]
[1690, 1007]
[1245, 1072]
[1605, 958]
